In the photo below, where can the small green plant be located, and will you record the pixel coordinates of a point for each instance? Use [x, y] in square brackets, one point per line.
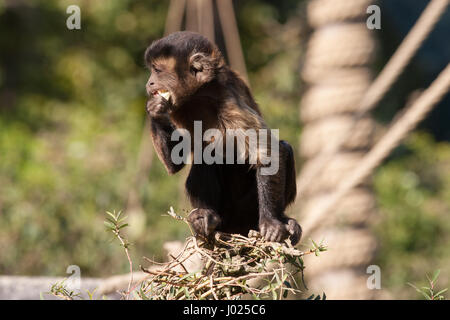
[115, 224]
[318, 248]
[429, 292]
[60, 290]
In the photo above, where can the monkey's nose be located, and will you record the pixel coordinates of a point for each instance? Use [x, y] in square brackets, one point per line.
[148, 88]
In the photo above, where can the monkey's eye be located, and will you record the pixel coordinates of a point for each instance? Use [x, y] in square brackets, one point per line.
[155, 69]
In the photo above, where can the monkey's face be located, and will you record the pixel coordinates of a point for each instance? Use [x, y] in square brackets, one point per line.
[163, 80]
[180, 64]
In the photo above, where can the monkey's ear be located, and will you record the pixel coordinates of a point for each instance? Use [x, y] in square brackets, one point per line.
[202, 67]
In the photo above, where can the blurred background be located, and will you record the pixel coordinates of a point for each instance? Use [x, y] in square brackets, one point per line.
[74, 144]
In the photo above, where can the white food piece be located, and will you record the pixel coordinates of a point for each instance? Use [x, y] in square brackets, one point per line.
[164, 94]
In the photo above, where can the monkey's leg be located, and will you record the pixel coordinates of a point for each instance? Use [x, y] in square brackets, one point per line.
[203, 188]
[275, 191]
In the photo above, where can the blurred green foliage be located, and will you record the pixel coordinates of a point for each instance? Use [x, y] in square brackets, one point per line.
[413, 193]
[72, 110]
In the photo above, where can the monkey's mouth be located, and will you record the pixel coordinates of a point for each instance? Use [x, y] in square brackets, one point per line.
[163, 93]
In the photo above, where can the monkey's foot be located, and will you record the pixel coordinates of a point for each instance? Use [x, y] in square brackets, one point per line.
[273, 230]
[295, 231]
[204, 222]
[277, 231]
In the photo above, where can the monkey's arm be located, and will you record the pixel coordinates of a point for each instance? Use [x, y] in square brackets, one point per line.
[204, 191]
[161, 130]
[271, 206]
[275, 192]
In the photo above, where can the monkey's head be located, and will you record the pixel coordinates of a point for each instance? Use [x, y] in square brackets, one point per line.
[180, 64]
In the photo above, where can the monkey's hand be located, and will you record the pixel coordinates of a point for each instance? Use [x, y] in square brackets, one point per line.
[272, 229]
[204, 222]
[158, 107]
[295, 231]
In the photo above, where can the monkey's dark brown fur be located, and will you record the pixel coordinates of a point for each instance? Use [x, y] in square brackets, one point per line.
[229, 197]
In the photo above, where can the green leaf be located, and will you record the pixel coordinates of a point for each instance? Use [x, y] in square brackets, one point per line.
[109, 225]
[111, 220]
[441, 292]
[417, 289]
[436, 275]
[273, 261]
[111, 215]
[186, 292]
[122, 219]
[425, 295]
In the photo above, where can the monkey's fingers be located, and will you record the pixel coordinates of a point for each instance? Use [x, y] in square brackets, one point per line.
[205, 225]
[197, 224]
[276, 236]
[203, 222]
[273, 231]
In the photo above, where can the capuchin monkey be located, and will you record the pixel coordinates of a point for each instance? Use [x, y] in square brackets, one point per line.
[190, 82]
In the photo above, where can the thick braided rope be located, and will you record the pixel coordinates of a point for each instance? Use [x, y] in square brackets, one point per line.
[323, 12]
[337, 70]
